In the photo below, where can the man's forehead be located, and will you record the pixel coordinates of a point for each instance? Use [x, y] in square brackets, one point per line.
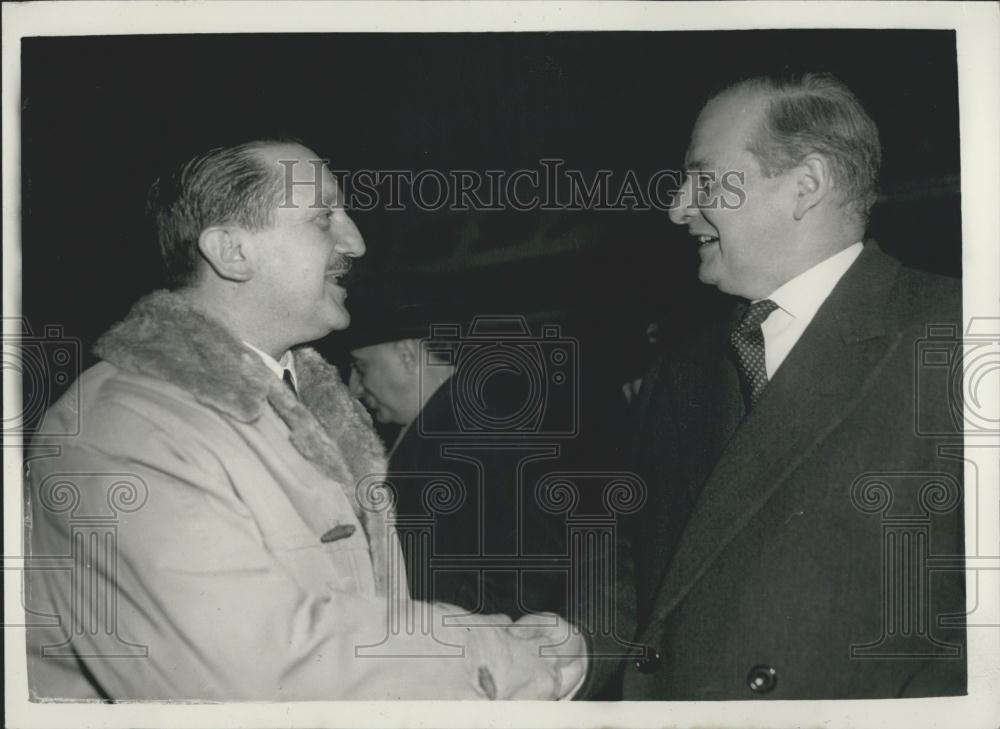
[699, 156]
[724, 126]
[303, 171]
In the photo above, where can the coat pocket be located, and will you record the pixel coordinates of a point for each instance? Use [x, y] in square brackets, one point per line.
[338, 560]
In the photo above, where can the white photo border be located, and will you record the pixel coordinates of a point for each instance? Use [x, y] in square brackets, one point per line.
[977, 27]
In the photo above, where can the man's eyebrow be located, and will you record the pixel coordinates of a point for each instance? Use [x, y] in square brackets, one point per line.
[697, 164]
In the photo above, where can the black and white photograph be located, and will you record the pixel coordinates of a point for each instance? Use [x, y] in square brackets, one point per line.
[634, 364]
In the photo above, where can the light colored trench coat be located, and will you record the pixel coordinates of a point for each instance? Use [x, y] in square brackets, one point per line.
[182, 523]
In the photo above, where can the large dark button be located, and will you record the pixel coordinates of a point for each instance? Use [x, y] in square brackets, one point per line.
[650, 660]
[762, 679]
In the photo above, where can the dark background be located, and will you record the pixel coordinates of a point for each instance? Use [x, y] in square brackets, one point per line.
[102, 114]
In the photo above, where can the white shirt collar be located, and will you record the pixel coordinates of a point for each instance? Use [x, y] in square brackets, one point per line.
[803, 295]
[278, 367]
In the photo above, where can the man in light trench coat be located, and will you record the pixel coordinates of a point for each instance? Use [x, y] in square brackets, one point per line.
[245, 550]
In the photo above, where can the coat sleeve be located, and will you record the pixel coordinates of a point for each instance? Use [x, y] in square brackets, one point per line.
[185, 601]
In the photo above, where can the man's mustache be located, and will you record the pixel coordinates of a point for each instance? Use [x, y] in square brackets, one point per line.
[341, 268]
[348, 272]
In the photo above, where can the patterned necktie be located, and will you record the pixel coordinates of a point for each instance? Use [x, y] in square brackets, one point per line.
[748, 341]
[287, 377]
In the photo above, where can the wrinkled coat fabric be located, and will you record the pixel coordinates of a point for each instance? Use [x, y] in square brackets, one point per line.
[182, 521]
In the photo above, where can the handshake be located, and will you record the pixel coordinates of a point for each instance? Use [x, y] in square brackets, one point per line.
[540, 656]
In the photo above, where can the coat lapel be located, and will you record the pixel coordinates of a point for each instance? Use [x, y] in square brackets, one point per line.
[685, 425]
[345, 443]
[823, 379]
[710, 406]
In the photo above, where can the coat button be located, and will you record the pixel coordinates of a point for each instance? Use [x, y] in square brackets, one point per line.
[649, 662]
[762, 679]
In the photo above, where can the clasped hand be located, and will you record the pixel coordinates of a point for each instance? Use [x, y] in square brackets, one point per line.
[559, 651]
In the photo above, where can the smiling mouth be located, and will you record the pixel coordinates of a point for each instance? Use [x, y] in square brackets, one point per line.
[704, 240]
[335, 275]
[340, 271]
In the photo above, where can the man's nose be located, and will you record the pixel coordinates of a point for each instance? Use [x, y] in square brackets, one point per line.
[349, 239]
[354, 384]
[683, 210]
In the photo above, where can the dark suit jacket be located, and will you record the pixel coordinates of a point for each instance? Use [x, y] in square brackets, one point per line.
[764, 557]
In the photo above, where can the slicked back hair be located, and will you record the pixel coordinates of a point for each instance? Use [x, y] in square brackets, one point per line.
[223, 185]
[817, 113]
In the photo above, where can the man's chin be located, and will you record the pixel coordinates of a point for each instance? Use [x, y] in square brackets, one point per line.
[707, 276]
[340, 320]
[328, 327]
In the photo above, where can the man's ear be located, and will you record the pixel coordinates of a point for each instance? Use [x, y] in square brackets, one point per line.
[409, 353]
[226, 253]
[813, 183]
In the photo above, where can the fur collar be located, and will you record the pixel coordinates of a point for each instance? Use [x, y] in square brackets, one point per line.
[166, 337]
